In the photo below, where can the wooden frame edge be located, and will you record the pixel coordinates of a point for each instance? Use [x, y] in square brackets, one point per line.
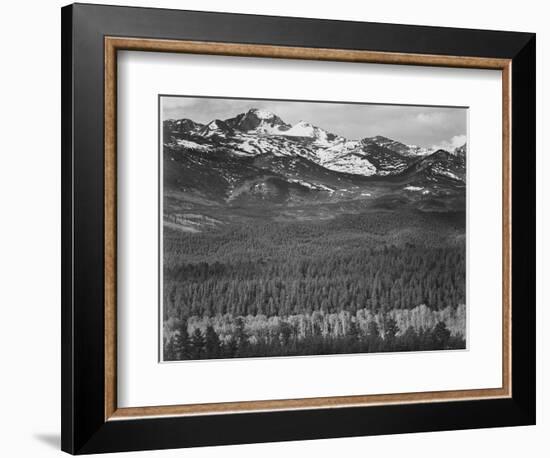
[290, 52]
[333, 402]
[110, 201]
[111, 46]
[507, 227]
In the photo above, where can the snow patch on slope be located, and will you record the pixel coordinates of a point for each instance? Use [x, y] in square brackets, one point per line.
[192, 145]
[314, 186]
[447, 173]
[301, 129]
[351, 163]
[262, 114]
[413, 188]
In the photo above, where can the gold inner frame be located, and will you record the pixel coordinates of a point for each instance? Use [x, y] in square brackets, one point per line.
[114, 44]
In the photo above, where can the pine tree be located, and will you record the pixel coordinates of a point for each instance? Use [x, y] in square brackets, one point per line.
[353, 331]
[241, 338]
[212, 343]
[409, 340]
[373, 336]
[372, 329]
[353, 336]
[170, 351]
[230, 348]
[441, 336]
[197, 344]
[181, 342]
[285, 331]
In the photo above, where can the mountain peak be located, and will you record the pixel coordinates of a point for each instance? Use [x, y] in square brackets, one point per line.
[181, 126]
[397, 146]
[381, 141]
[216, 127]
[381, 138]
[261, 114]
[257, 120]
[213, 125]
[304, 129]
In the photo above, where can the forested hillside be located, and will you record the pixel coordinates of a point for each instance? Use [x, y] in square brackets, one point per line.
[303, 287]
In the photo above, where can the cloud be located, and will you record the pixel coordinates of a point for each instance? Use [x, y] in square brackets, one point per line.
[454, 142]
[431, 119]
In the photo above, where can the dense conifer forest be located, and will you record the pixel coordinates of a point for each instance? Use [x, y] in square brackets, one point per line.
[357, 283]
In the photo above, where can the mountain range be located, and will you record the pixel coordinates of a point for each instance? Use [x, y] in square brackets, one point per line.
[257, 157]
[259, 132]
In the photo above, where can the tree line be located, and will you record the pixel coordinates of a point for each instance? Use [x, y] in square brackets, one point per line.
[182, 345]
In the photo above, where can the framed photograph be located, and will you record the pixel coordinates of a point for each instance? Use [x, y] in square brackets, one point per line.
[281, 228]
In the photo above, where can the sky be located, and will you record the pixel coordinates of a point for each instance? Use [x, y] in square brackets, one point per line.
[443, 127]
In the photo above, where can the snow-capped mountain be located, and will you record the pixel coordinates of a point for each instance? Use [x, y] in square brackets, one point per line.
[398, 147]
[178, 126]
[258, 153]
[258, 122]
[262, 132]
[216, 128]
[439, 166]
[304, 129]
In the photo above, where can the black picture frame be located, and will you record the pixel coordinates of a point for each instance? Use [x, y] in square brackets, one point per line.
[84, 428]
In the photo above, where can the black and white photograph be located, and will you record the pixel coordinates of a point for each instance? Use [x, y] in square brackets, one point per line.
[296, 228]
[275, 229]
